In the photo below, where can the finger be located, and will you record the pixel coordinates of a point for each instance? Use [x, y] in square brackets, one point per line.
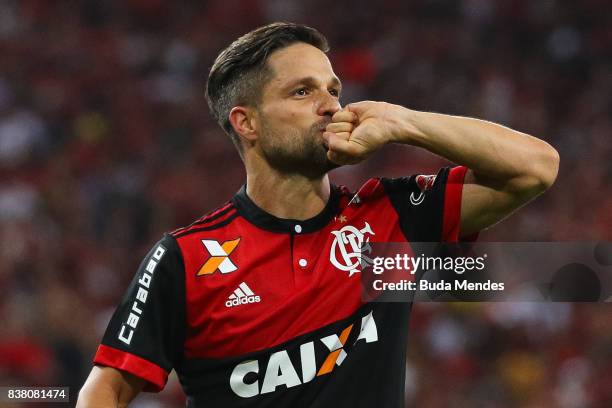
[339, 127]
[358, 108]
[345, 136]
[344, 116]
[341, 159]
[339, 143]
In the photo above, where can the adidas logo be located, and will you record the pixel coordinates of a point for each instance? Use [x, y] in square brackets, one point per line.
[241, 296]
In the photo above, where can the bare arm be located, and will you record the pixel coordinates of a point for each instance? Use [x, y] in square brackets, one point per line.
[508, 168]
[108, 387]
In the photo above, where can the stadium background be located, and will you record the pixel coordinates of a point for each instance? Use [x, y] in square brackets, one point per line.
[106, 142]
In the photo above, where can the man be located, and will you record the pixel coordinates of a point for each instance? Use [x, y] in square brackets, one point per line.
[259, 302]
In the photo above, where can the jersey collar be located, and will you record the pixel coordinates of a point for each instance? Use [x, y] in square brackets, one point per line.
[255, 215]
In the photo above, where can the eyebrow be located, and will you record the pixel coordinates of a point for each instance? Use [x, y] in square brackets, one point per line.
[311, 81]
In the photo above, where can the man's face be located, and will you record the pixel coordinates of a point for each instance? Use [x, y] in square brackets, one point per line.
[296, 105]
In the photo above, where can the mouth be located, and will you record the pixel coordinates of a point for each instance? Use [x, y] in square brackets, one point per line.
[324, 141]
[320, 129]
[322, 126]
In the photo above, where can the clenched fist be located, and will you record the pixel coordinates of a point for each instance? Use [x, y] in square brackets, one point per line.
[362, 128]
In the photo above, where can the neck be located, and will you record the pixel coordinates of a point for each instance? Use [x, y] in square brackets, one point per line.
[288, 196]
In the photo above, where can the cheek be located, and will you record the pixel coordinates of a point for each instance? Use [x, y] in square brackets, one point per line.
[289, 120]
[289, 115]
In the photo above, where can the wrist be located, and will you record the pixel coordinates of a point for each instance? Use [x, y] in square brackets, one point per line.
[407, 130]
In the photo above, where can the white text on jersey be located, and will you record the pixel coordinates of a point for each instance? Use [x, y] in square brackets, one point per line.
[144, 283]
[281, 371]
[242, 295]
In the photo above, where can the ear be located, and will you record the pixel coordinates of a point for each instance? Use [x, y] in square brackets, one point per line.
[243, 121]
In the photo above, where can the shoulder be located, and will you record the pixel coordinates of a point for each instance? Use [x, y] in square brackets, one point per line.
[215, 234]
[370, 191]
[378, 189]
[215, 219]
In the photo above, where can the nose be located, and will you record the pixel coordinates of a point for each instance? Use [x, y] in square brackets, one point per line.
[328, 105]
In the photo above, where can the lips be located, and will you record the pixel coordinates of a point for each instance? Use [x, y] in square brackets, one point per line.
[322, 126]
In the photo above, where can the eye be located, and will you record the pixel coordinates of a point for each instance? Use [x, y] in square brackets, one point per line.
[301, 92]
[334, 92]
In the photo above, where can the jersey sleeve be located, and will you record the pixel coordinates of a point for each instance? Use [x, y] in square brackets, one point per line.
[146, 333]
[429, 206]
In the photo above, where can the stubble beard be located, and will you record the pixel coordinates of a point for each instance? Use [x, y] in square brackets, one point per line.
[297, 152]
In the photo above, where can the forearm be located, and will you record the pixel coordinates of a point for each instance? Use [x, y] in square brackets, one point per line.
[492, 151]
[107, 387]
[98, 396]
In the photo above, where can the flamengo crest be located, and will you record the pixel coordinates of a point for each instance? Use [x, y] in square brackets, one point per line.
[349, 246]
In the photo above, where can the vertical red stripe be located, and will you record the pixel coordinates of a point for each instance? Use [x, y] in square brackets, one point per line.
[452, 204]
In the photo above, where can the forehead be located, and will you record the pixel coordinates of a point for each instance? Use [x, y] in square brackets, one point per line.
[298, 61]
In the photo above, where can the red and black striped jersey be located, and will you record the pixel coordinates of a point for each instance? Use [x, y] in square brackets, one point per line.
[256, 311]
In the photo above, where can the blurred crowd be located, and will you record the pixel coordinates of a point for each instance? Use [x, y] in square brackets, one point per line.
[106, 142]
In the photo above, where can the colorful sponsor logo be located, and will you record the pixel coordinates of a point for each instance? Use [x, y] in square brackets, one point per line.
[219, 256]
